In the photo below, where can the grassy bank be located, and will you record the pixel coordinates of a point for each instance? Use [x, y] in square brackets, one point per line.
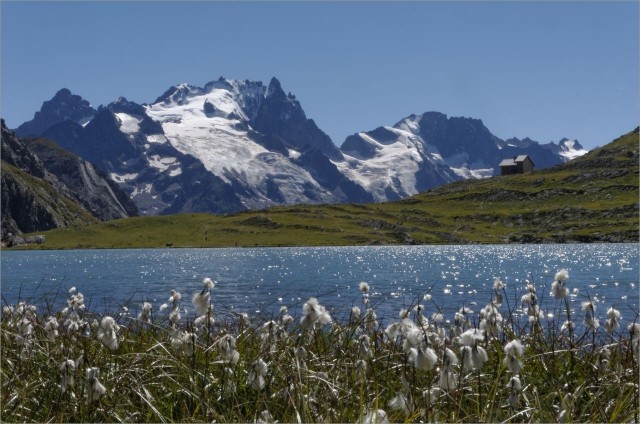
[508, 361]
[590, 199]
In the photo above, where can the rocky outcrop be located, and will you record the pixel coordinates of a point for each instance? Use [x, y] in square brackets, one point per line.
[45, 187]
[64, 106]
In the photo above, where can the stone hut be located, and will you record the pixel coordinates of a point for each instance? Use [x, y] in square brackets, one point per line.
[518, 165]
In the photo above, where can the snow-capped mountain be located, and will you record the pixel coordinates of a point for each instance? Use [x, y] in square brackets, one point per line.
[233, 145]
[425, 151]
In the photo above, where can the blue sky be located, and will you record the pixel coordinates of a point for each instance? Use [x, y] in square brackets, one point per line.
[544, 70]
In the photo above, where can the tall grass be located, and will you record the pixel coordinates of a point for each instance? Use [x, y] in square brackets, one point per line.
[508, 362]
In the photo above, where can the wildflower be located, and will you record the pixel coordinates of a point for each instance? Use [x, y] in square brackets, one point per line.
[515, 387]
[202, 320]
[258, 371]
[189, 343]
[613, 319]
[377, 416]
[202, 299]
[313, 312]
[400, 402]
[108, 334]
[471, 337]
[513, 349]
[498, 284]
[448, 379]
[370, 322]
[567, 405]
[51, 328]
[67, 368]
[433, 394]
[491, 320]
[427, 297]
[423, 359]
[590, 321]
[174, 296]
[228, 381]
[461, 319]
[184, 342]
[286, 320]
[226, 345]
[558, 287]
[364, 346]
[265, 418]
[404, 313]
[97, 389]
[437, 317]
[567, 325]
[363, 287]
[355, 314]
[269, 333]
[25, 330]
[562, 275]
[603, 359]
[145, 313]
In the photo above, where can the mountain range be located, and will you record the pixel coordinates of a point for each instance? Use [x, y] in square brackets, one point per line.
[235, 145]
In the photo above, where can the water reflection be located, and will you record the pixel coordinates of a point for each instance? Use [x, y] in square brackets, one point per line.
[252, 280]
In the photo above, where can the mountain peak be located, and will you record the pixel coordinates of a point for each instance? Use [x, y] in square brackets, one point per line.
[275, 88]
[63, 106]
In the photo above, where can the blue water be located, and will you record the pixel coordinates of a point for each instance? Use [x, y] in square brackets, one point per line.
[259, 281]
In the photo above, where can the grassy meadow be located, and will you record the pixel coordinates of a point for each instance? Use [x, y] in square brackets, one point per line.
[509, 361]
[590, 199]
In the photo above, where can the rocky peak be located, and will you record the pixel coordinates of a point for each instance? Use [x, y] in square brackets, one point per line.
[64, 106]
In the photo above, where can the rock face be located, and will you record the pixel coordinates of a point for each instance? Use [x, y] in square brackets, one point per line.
[45, 187]
[64, 106]
[234, 145]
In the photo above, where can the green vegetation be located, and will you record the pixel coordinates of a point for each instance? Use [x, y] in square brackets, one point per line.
[593, 198]
[517, 365]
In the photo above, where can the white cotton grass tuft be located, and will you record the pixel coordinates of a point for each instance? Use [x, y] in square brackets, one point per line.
[184, 342]
[613, 320]
[512, 351]
[558, 287]
[363, 287]
[370, 320]
[145, 312]
[96, 388]
[498, 284]
[226, 346]
[360, 370]
[375, 416]
[108, 334]
[313, 313]
[51, 328]
[67, 369]
[202, 300]
[259, 370]
[355, 314]
[402, 403]
[562, 275]
[423, 359]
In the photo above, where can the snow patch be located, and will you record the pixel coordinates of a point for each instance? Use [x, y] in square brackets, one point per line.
[175, 172]
[156, 138]
[160, 163]
[128, 124]
[122, 178]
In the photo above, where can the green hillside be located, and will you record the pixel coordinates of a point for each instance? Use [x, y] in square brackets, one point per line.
[590, 199]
